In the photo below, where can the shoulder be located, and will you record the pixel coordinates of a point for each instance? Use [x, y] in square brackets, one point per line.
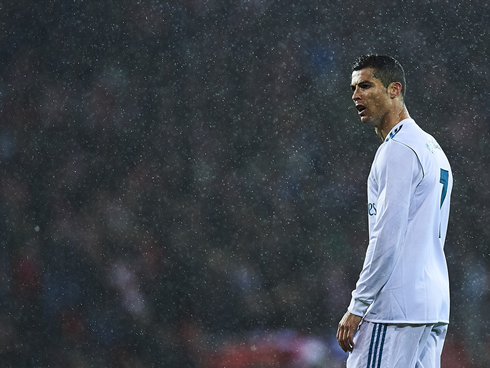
[402, 141]
[400, 148]
[395, 152]
[396, 162]
[408, 133]
[420, 142]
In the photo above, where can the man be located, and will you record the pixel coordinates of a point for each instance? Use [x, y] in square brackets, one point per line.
[399, 311]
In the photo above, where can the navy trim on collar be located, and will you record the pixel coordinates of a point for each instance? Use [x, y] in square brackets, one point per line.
[393, 133]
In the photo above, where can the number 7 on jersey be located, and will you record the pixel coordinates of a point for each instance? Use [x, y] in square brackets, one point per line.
[444, 181]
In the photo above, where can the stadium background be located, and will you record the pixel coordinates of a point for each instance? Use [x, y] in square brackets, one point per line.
[183, 182]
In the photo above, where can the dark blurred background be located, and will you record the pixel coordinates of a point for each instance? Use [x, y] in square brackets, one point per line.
[183, 183]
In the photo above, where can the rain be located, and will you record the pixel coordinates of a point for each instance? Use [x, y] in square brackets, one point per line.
[183, 183]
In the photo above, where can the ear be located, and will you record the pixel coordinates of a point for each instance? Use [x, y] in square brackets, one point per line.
[395, 89]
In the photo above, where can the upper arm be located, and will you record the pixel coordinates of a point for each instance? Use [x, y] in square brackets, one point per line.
[398, 172]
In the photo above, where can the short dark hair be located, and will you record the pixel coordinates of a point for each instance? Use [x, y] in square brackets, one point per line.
[386, 69]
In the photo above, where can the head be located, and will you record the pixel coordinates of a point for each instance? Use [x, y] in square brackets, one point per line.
[387, 69]
[378, 86]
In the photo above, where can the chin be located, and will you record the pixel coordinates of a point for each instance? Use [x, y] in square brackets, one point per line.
[366, 120]
[369, 121]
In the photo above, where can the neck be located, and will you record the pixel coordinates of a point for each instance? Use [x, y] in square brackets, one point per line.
[390, 121]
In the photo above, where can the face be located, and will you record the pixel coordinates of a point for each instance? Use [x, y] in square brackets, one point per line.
[372, 99]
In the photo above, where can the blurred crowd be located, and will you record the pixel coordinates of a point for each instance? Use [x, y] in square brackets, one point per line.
[184, 182]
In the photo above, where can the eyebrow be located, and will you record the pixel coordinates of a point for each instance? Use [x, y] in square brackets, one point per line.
[353, 86]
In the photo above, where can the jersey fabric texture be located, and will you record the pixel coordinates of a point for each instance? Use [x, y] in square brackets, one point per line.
[404, 277]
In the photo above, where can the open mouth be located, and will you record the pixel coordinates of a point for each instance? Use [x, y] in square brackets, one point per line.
[360, 109]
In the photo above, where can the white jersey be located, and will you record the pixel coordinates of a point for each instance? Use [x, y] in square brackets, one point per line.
[404, 278]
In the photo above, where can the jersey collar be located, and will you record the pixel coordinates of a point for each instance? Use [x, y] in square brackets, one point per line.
[396, 129]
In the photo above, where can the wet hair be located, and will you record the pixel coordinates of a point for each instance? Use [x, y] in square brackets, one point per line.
[386, 69]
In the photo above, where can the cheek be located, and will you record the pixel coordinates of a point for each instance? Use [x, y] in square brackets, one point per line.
[379, 102]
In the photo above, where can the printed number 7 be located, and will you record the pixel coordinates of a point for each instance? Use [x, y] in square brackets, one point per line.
[444, 181]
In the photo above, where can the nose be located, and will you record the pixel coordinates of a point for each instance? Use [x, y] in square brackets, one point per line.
[355, 94]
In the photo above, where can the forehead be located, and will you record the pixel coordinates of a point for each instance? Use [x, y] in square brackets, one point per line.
[363, 75]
